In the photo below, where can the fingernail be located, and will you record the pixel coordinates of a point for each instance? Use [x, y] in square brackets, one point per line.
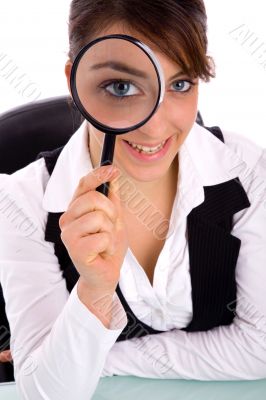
[111, 171]
[103, 173]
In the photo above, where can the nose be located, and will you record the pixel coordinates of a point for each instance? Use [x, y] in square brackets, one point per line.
[159, 124]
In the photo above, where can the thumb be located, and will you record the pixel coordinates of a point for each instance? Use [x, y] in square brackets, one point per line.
[114, 196]
[120, 225]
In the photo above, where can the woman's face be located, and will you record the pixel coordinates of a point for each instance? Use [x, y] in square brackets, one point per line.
[167, 129]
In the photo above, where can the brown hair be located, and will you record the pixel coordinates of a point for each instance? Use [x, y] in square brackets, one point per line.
[177, 27]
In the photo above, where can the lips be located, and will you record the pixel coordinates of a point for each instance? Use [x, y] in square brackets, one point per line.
[139, 155]
[146, 144]
[146, 149]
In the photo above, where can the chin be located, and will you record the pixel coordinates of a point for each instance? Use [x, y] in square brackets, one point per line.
[144, 174]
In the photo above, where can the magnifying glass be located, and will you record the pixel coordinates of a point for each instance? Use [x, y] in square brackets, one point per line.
[117, 84]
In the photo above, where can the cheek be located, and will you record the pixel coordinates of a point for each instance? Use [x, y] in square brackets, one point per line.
[183, 118]
[96, 137]
[184, 112]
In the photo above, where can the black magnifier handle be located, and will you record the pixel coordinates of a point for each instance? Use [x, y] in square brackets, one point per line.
[107, 159]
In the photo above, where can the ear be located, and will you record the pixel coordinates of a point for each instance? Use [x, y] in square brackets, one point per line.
[68, 67]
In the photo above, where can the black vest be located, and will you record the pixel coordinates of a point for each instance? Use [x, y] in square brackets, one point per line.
[213, 254]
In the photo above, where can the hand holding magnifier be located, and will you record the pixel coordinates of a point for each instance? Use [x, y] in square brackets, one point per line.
[117, 85]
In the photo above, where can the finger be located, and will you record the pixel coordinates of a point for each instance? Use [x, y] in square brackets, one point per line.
[114, 196]
[88, 224]
[94, 179]
[92, 246]
[87, 203]
[121, 229]
[5, 356]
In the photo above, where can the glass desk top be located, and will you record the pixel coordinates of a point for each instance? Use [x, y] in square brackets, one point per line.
[132, 388]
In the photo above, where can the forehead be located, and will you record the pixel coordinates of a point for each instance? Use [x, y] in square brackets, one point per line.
[168, 65]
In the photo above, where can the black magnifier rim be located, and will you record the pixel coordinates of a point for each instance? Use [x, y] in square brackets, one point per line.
[86, 115]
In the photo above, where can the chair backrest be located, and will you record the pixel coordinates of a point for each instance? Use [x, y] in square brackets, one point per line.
[27, 130]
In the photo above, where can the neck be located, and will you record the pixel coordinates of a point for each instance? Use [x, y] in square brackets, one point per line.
[149, 193]
[166, 184]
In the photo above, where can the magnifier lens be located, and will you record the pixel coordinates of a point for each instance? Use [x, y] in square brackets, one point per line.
[117, 83]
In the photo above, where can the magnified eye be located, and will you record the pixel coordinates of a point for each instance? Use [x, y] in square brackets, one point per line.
[182, 86]
[121, 88]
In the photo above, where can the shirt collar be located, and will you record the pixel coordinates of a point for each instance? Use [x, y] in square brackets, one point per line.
[73, 163]
[203, 161]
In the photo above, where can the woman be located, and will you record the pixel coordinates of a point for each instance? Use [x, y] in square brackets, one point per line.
[184, 302]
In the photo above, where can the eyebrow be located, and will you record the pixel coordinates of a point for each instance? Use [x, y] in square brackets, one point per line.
[117, 66]
[178, 75]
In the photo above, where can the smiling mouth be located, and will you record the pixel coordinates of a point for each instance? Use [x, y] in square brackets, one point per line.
[146, 149]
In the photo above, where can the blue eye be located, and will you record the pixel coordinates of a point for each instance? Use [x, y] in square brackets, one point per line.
[121, 89]
[182, 86]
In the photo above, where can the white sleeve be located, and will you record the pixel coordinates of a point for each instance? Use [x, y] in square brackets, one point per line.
[58, 346]
[233, 352]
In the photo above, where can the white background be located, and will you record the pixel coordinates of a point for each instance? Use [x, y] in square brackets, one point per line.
[33, 38]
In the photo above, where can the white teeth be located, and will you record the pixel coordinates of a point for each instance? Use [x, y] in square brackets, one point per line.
[144, 149]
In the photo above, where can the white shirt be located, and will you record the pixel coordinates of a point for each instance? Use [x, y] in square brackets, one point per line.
[61, 349]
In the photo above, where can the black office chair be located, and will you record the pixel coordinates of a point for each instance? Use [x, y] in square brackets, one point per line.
[25, 131]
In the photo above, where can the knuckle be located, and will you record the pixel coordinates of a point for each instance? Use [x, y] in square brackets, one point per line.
[71, 244]
[63, 237]
[106, 237]
[101, 217]
[66, 236]
[82, 182]
[62, 221]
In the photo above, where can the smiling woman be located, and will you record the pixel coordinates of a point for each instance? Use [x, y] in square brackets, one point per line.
[165, 277]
